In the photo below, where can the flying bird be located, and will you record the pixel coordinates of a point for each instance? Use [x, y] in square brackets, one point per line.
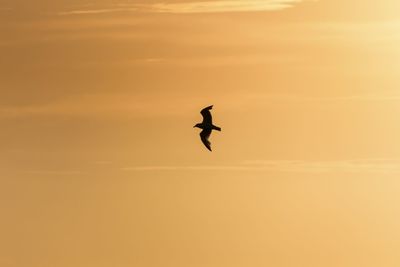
[206, 126]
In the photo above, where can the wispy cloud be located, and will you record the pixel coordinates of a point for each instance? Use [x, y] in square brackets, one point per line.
[352, 165]
[189, 168]
[94, 105]
[96, 11]
[223, 6]
[141, 105]
[194, 7]
[387, 96]
[297, 166]
[53, 172]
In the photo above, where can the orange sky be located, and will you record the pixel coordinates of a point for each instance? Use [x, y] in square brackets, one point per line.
[100, 165]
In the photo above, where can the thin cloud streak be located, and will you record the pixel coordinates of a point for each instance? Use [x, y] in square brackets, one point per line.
[297, 166]
[96, 11]
[187, 168]
[194, 7]
[122, 104]
[345, 98]
[349, 166]
[223, 6]
[53, 172]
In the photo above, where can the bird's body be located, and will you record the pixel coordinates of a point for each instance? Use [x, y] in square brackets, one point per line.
[206, 126]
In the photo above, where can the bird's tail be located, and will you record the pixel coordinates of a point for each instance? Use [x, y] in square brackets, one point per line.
[216, 128]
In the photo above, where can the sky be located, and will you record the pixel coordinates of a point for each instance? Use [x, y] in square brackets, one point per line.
[100, 165]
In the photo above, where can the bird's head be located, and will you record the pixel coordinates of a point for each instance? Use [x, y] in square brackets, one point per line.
[198, 125]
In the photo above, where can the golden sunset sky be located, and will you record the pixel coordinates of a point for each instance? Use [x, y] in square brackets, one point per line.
[100, 165]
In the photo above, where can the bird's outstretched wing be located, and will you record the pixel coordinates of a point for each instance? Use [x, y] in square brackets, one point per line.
[207, 118]
[204, 135]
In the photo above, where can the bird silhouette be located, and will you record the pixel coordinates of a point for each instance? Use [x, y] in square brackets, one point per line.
[206, 126]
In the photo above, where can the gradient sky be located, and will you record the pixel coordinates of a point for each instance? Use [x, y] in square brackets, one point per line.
[100, 165]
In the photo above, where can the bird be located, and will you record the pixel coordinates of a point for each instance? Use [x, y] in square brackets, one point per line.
[206, 126]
